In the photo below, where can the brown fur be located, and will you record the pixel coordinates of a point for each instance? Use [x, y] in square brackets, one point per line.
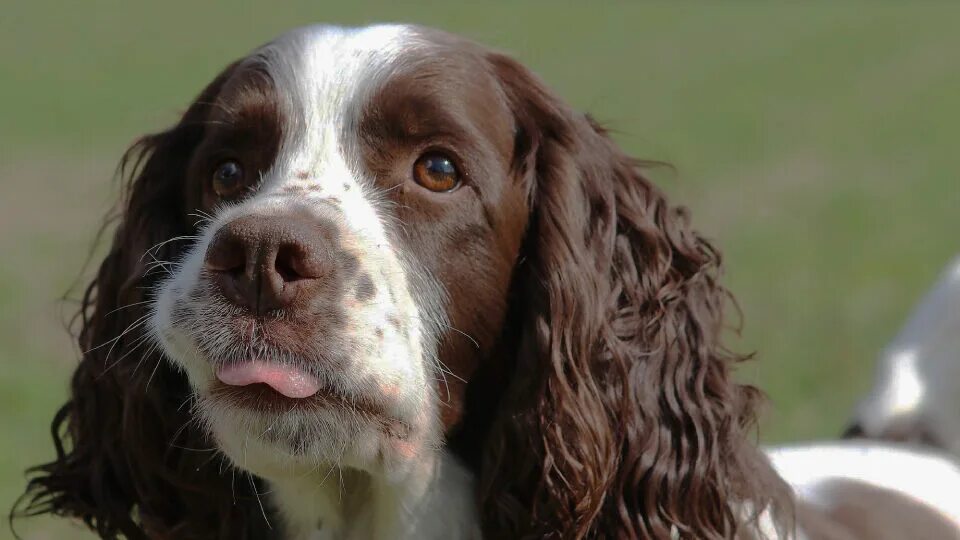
[622, 419]
[130, 460]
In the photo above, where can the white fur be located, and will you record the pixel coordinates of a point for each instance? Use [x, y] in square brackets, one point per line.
[436, 502]
[926, 477]
[918, 375]
[349, 481]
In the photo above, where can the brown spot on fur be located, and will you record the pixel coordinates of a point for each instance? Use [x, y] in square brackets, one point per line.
[365, 290]
[394, 322]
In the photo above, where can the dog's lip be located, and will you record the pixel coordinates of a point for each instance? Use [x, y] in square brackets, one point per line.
[261, 395]
[262, 398]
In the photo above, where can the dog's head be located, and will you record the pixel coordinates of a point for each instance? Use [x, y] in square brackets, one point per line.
[368, 246]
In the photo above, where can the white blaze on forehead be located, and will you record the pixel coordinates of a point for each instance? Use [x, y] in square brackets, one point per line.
[323, 76]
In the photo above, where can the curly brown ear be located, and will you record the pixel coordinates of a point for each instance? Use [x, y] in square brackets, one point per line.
[129, 461]
[623, 419]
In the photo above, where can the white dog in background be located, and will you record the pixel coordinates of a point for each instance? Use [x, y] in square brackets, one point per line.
[916, 393]
[914, 403]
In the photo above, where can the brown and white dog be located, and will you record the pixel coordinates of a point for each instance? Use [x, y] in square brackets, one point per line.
[383, 283]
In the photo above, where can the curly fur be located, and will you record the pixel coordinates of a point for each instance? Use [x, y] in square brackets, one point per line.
[622, 419]
[131, 462]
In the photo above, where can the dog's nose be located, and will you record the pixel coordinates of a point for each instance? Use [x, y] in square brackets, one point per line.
[264, 263]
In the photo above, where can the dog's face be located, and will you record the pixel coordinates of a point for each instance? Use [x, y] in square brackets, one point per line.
[358, 221]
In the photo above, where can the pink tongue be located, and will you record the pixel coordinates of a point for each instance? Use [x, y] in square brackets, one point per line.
[288, 380]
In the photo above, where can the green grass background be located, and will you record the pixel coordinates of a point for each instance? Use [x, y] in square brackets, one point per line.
[816, 142]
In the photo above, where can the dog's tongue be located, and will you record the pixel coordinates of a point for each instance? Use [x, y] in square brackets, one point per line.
[288, 380]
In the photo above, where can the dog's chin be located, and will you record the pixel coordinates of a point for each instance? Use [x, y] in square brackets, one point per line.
[277, 437]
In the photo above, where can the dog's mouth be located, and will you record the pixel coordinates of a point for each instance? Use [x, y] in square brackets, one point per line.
[279, 389]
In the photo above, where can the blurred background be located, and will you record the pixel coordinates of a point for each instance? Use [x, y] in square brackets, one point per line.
[816, 143]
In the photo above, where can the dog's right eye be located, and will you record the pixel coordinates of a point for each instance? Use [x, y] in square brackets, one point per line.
[436, 172]
[228, 179]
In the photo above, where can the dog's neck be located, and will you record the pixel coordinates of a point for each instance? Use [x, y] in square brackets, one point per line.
[436, 500]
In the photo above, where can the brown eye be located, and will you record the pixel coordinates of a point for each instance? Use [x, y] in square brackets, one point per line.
[436, 172]
[228, 179]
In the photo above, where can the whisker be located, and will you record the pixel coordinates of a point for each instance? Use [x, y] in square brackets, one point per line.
[136, 345]
[202, 217]
[111, 312]
[256, 493]
[159, 245]
[158, 263]
[445, 385]
[444, 369]
[130, 327]
[193, 449]
[206, 461]
[154, 372]
[270, 427]
[449, 327]
[177, 433]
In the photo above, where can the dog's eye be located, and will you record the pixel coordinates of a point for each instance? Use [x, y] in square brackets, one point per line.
[228, 179]
[436, 172]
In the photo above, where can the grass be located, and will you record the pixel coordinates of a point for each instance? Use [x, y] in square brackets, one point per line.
[815, 143]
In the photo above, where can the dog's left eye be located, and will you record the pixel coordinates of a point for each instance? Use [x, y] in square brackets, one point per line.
[436, 172]
[228, 179]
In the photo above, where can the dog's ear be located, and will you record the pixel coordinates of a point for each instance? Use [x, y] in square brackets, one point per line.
[129, 460]
[623, 418]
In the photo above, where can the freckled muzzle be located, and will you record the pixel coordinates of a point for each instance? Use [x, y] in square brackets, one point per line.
[284, 275]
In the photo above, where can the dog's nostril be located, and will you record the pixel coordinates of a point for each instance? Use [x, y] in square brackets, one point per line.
[233, 268]
[289, 263]
[226, 256]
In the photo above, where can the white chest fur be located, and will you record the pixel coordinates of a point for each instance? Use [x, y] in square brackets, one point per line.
[435, 501]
